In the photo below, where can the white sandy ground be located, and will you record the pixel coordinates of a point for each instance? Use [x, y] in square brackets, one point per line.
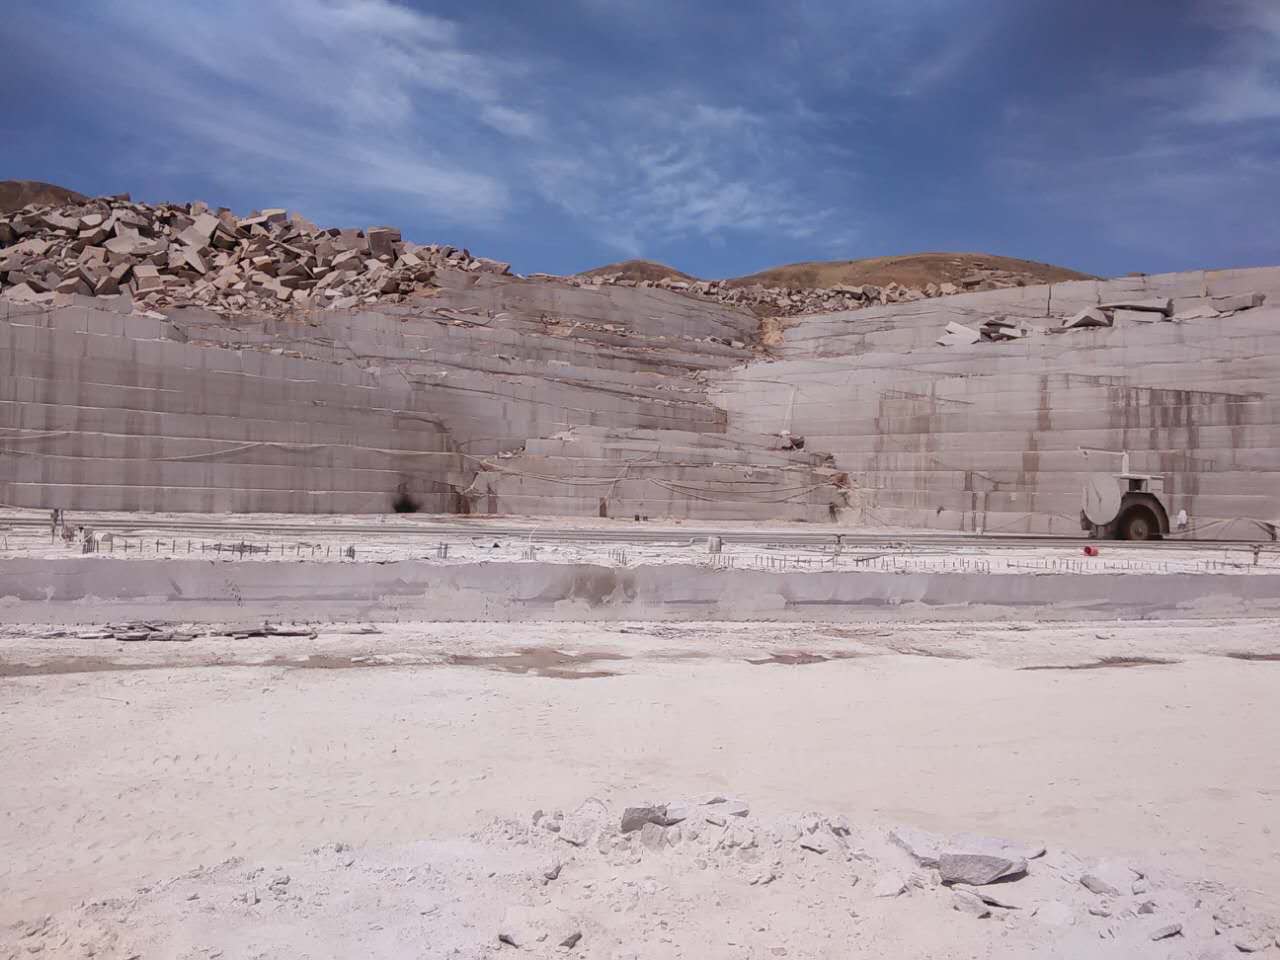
[132, 765]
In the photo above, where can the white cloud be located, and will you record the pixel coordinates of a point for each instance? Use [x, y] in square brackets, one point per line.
[1243, 82]
[325, 104]
[306, 98]
[514, 123]
[659, 169]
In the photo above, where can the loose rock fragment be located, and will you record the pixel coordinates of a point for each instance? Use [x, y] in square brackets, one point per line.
[652, 836]
[1168, 930]
[1109, 878]
[572, 939]
[978, 868]
[890, 885]
[966, 902]
[633, 818]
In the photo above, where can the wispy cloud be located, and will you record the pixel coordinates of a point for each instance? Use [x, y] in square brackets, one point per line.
[664, 168]
[1241, 82]
[306, 98]
[1181, 170]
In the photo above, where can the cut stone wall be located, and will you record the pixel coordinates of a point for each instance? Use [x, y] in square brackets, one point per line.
[195, 591]
[499, 395]
[340, 411]
[988, 436]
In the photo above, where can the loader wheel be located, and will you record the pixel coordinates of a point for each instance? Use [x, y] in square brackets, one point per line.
[1139, 523]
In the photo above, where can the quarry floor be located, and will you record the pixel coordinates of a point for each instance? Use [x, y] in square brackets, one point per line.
[130, 763]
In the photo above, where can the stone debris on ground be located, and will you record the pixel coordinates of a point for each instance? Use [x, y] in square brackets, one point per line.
[173, 255]
[749, 888]
[796, 301]
[1116, 313]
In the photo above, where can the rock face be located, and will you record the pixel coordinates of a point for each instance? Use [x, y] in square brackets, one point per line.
[1005, 435]
[290, 381]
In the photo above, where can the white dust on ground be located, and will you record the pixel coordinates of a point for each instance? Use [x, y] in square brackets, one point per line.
[717, 883]
[133, 763]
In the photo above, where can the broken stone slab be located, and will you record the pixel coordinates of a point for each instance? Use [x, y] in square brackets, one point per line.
[634, 818]
[1240, 301]
[1138, 316]
[202, 229]
[74, 284]
[979, 869]
[1166, 931]
[1154, 305]
[924, 847]
[382, 241]
[1203, 312]
[676, 812]
[968, 903]
[25, 293]
[993, 899]
[653, 836]
[1251, 943]
[957, 334]
[733, 808]
[1088, 317]
[1110, 879]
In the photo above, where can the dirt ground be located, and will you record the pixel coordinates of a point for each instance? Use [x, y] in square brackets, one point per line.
[131, 764]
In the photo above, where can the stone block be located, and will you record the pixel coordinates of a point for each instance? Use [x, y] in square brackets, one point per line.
[1138, 316]
[1152, 305]
[382, 241]
[1241, 301]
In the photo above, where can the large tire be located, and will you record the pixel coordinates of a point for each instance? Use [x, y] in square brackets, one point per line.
[1139, 523]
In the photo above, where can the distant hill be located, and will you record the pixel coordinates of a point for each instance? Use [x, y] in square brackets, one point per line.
[912, 270]
[915, 270]
[638, 270]
[16, 194]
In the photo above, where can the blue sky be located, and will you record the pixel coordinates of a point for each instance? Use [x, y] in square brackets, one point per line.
[720, 137]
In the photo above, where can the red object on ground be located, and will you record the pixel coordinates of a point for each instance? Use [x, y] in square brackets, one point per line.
[1090, 551]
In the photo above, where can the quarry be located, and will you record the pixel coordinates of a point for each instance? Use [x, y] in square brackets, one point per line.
[364, 597]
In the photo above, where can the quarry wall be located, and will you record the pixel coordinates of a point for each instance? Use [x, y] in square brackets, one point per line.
[499, 395]
[348, 410]
[993, 435]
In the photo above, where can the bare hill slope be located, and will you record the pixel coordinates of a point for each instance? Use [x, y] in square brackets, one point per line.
[16, 194]
[911, 270]
[915, 270]
[638, 270]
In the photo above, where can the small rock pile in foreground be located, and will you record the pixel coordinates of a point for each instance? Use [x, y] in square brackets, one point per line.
[697, 878]
[189, 254]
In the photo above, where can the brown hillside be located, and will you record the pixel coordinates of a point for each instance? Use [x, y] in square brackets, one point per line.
[16, 194]
[638, 270]
[912, 270]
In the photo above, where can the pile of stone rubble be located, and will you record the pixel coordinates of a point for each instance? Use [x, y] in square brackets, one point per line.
[171, 255]
[794, 301]
[1152, 310]
[274, 261]
[1162, 309]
